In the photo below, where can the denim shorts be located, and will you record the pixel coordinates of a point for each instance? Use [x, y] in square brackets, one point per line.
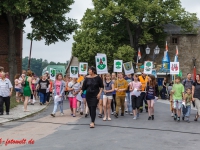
[177, 104]
[17, 90]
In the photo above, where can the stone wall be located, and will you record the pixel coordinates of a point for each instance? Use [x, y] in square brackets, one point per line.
[4, 45]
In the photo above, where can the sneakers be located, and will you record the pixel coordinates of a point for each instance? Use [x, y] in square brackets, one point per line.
[175, 117]
[126, 113]
[138, 115]
[81, 113]
[7, 113]
[172, 115]
[131, 113]
[152, 116]
[122, 114]
[86, 115]
[100, 115]
[112, 113]
[134, 117]
[53, 115]
[178, 119]
[149, 118]
[40, 103]
[183, 118]
[116, 115]
[61, 114]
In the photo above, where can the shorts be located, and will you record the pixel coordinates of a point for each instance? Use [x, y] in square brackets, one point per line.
[17, 90]
[177, 104]
[108, 97]
[83, 95]
[101, 97]
[72, 102]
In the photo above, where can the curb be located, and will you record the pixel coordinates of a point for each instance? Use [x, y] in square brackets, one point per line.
[13, 119]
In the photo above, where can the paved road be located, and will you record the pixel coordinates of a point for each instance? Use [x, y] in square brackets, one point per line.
[66, 132]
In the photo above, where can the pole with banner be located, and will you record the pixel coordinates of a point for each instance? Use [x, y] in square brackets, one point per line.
[52, 74]
[101, 64]
[117, 67]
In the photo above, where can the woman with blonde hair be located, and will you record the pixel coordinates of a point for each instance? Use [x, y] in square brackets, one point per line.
[107, 97]
[27, 88]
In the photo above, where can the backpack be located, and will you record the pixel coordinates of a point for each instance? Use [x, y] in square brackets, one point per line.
[184, 82]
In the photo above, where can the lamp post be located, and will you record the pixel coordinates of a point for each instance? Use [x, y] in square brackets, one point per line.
[155, 53]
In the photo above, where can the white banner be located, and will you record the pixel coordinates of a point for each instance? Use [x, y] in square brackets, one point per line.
[174, 68]
[148, 66]
[101, 64]
[74, 71]
[154, 72]
[118, 65]
[128, 68]
[52, 74]
[83, 68]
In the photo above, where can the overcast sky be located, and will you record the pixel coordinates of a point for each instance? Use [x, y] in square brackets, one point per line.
[52, 52]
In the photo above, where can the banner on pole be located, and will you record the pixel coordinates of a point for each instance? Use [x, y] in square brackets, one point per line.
[174, 68]
[74, 71]
[154, 72]
[52, 74]
[83, 68]
[118, 65]
[148, 66]
[101, 64]
[128, 68]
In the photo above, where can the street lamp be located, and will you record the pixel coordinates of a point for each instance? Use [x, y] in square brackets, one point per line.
[156, 52]
[147, 50]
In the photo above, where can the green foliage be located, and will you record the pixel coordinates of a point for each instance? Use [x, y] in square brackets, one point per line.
[48, 20]
[124, 53]
[113, 25]
[37, 65]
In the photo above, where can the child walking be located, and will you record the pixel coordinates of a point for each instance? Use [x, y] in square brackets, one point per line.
[188, 101]
[178, 95]
[151, 96]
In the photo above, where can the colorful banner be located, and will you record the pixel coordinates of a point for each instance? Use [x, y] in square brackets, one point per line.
[174, 68]
[101, 64]
[128, 68]
[148, 66]
[154, 72]
[74, 71]
[52, 74]
[83, 68]
[118, 65]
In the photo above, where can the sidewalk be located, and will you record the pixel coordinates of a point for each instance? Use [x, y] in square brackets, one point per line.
[18, 113]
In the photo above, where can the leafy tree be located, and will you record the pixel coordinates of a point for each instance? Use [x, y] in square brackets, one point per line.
[48, 22]
[114, 24]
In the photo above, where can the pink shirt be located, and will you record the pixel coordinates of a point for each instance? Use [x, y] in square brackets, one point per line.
[136, 85]
[58, 85]
[18, 86]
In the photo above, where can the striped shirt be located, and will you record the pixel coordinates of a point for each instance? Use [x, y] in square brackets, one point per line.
[5, 86]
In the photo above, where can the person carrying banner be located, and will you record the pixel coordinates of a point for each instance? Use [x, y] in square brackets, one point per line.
[143, 79]
[121, 86]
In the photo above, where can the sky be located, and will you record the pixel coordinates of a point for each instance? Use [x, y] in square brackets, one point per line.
[53, 51]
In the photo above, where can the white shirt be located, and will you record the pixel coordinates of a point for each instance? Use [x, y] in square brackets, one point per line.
[75, 86]
[5, 86]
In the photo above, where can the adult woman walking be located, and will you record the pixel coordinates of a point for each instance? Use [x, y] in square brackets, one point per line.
[43, 85]
[196, 95]
[93, 84]
[27, 89]
[59, 90]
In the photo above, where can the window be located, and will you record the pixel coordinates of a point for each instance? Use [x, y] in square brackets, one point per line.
[174, 40]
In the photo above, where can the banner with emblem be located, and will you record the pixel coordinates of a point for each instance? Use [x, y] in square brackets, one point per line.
[101, 64]
[148, 66]
[128, 68]
[83, 68]
[52, 74]
[118, 65]
[74, 71]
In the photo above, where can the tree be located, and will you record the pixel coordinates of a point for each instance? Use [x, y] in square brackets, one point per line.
[113, 24]
[48, 22]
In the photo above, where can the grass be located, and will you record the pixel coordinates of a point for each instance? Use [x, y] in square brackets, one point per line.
[13, 102]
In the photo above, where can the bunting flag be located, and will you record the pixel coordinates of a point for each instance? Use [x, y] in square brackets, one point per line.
[166, 46]
[176, 56]
[139, 54]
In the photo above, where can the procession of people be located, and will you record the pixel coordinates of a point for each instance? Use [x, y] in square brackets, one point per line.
[110, 93]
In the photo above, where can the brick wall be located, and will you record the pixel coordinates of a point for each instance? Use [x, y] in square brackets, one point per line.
[4, 45]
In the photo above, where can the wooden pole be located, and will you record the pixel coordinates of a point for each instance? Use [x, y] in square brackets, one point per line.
[117, 79]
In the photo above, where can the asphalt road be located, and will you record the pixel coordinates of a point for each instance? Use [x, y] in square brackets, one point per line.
[123, 133]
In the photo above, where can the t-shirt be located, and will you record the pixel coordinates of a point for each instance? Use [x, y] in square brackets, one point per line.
[196, 90]
[43, 85]
[58, 85]
[18, 86]
[122, 84]
[75, 86]
[188, 99]
[179, 90]
[187, 84]
[108, 87]
[135, 85]
[128, 80]
[5, 86]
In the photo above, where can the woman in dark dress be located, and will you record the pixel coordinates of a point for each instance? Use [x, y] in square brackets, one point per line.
[93, 84]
